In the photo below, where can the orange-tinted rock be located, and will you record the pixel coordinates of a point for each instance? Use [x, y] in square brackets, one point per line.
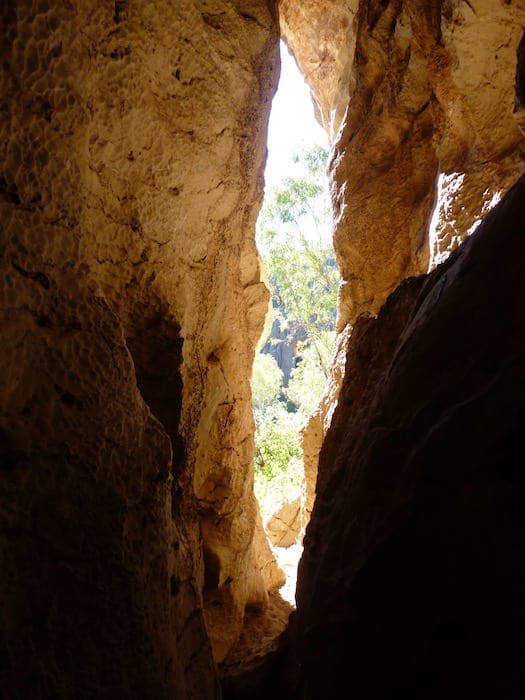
[132, 147]
[284, 526]
[132, 143]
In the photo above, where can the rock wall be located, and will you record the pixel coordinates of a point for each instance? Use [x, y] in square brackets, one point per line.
[419, 100]
[423, 132]
[411, 582]
[132, 145]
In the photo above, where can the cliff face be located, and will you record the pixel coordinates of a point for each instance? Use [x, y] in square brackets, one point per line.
[418, 98]
[410, 583]
[132, 146]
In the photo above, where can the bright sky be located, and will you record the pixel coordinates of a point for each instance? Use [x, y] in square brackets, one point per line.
[292, 122]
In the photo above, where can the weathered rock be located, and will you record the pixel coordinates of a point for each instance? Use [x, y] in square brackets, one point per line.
[313, 433]
[322, 38]
[519, 102]
[257, 668]
[284, 526]
[412, 577]
[425, 141]
[96, 593]
[429, 92]
[282, 345]
[132, 143]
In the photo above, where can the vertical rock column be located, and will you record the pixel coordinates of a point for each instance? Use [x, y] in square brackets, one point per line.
[223, 300]
[131, 150]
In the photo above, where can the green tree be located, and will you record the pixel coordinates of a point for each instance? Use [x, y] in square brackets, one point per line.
[294, 233]
[308, 378]
[278, 459]
[267, 382]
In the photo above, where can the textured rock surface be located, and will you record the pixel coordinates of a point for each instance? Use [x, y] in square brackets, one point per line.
[429, 92]
[97, 595]
[411, 583]
[425, 140]
[322, 37]
[132, 142]
[284, 526]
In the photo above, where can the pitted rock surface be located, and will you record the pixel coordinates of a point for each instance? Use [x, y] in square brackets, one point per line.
[132, 144]
[411, 580]
[425, 135]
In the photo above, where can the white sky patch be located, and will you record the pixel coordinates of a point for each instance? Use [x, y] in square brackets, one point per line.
[293, 125]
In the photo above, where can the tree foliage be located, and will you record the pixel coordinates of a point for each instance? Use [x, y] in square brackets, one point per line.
[309, 378]
[278, 460]
[294, 235]
[267, 382]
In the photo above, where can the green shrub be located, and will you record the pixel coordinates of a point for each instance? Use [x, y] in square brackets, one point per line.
[278, 457]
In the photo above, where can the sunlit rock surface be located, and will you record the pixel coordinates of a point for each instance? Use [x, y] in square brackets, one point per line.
[132, 143]
[322, 37]
[284, 526]
[429, 90]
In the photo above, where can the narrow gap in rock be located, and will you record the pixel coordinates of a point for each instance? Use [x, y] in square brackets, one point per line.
[294, 236]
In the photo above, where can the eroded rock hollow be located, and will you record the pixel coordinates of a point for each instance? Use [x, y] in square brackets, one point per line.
[132, 300]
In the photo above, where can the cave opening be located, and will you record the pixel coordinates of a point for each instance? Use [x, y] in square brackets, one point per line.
[291, 368]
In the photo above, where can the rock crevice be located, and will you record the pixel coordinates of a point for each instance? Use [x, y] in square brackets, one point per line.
[133, 562]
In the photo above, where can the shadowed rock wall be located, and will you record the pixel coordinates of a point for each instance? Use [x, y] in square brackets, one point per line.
[132, 143]
[411, 583]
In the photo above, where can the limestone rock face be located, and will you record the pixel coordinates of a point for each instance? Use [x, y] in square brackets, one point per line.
[284, 526]
[322, 37]
[132, 143]
[411, 582]
[423, 111]
[427, 139]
